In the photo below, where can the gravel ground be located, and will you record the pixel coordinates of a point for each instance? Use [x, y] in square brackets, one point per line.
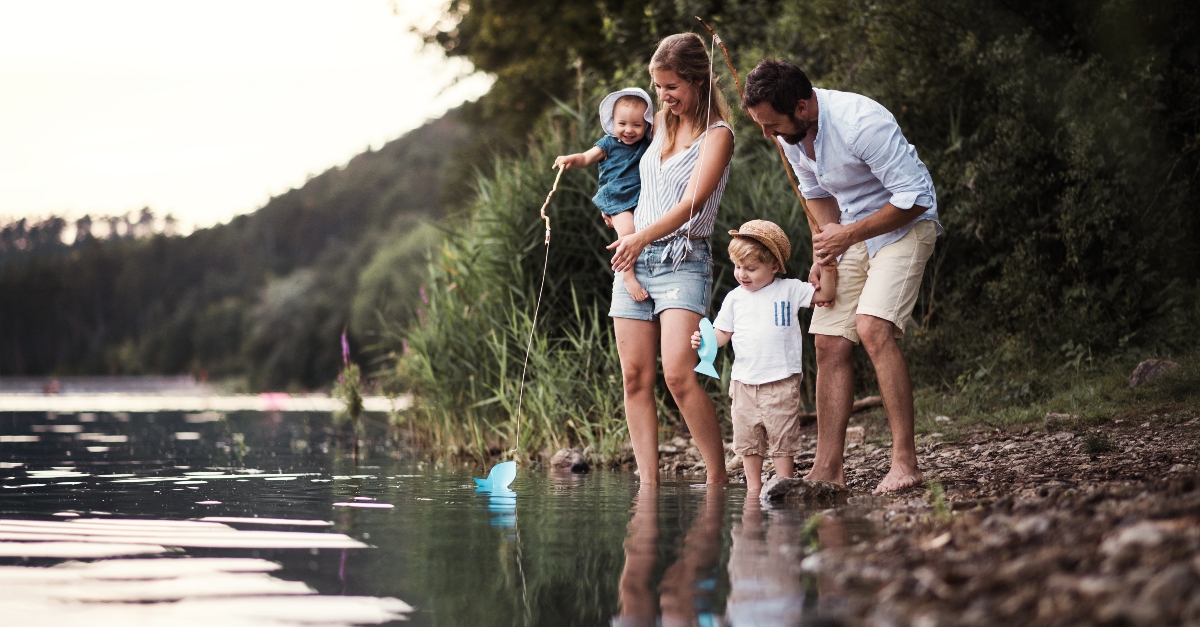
[1066, 524]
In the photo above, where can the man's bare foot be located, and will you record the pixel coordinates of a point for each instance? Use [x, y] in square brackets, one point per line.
[898, 479]
[634, 288]
[813, 475]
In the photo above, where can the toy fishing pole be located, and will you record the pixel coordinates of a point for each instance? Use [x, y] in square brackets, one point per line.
[502, 474]
[812, 222]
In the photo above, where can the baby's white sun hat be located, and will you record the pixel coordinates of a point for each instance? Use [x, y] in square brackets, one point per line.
[610, 101]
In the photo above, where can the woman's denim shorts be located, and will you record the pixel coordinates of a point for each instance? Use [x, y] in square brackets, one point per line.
[689, 287]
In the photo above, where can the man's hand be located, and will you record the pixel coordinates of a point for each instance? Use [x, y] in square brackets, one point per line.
[833, 240]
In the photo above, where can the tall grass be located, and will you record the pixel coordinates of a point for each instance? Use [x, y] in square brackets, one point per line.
[463, 357]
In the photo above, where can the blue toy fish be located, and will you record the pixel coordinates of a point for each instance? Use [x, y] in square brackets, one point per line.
[499, 478]
[707, 350]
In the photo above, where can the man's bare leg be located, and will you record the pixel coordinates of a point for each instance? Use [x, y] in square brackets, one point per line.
[623, 223]
[896, 389]
[835, 398]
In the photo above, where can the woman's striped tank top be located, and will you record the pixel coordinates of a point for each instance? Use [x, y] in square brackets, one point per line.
[663, 186]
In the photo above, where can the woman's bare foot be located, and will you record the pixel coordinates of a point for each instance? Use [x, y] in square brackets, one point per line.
[634, 288]
[898, 479]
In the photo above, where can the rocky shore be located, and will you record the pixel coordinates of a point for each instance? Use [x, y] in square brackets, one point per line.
[1071, 522]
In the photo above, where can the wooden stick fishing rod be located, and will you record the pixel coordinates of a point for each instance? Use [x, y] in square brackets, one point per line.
[812, 222]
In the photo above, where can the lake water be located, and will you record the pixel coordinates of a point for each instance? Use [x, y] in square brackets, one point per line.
[130, 519]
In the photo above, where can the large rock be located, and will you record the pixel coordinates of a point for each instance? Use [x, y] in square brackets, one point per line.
[1150, 370]
[790, 490]
[569, 459]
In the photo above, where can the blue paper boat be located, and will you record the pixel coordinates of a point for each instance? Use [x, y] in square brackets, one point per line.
[708, 349]
[499, 478]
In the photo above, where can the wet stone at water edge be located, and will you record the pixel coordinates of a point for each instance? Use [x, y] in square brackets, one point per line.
[781, 489]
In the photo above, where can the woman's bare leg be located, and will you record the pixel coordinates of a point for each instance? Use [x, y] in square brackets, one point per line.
[623, 223]
[679, 359]
[637, 345]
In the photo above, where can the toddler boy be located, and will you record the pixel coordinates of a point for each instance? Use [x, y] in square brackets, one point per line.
[760, 316]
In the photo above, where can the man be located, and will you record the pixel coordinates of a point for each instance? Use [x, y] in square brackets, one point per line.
[876, 208]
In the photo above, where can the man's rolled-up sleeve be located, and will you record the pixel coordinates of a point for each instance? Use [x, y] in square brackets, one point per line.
[881, 145]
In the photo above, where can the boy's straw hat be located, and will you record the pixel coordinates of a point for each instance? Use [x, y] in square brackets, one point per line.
[770, 235]
[610, 102]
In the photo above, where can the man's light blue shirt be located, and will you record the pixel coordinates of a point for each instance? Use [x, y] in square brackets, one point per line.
[863, 161]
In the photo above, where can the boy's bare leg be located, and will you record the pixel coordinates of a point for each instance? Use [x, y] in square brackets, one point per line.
[623, 223]
[753, 467]
[783, 465]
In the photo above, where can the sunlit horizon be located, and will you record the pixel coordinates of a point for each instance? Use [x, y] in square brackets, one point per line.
[205, 111]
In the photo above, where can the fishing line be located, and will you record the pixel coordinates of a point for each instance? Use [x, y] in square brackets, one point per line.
[707, 127]
[537, 307]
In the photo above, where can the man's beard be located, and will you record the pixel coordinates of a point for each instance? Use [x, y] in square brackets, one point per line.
[801, 127]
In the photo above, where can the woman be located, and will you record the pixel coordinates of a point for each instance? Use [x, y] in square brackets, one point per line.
[683, 176]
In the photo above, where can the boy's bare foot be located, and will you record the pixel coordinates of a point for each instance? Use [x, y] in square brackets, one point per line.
[634, 288]
[898, 479]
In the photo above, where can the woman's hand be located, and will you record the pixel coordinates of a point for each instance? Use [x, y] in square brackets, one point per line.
[696, 340]
[625, 251]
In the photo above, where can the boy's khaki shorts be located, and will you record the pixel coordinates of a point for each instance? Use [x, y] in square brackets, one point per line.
[885, 287]
[766, 418]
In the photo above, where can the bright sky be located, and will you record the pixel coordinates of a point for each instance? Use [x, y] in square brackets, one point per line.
[205, 109]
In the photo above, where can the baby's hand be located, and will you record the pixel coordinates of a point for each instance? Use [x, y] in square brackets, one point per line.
[696, 340]
[568, 161]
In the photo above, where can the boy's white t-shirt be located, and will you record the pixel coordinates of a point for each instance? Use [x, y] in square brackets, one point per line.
[767, 339]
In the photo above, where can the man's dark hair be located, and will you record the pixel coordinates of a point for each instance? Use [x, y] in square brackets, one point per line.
[777, 82]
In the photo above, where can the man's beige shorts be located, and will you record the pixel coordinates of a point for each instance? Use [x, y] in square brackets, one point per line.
[885, 287]
[766, 418]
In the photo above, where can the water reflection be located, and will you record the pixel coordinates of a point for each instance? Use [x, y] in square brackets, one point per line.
[765, 581]
[579, 550]
[687, 592]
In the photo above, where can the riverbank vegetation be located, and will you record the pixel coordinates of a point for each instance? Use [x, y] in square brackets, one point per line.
[1063, 138]
[1055, 133]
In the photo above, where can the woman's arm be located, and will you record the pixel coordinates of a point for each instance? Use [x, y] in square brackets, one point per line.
[716, 150]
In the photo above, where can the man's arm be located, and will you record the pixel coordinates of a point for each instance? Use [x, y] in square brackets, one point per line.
[835, 239]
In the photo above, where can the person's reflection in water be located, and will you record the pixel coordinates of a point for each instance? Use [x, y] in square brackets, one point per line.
[765, 583]
[688, 588]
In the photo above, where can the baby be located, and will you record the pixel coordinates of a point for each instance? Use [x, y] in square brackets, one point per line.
[626, 116]
[760, 316]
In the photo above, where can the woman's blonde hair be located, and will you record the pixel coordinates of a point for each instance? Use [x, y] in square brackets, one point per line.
[685, 55]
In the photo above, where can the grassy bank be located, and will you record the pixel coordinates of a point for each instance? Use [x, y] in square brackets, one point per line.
[1073, 398]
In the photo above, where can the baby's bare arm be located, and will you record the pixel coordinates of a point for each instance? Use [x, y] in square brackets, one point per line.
[581, 159]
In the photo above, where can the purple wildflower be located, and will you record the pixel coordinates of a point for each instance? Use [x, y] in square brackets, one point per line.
[424, 298]
[345, 349]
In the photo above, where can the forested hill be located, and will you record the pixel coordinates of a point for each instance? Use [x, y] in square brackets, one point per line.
[261, 300]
